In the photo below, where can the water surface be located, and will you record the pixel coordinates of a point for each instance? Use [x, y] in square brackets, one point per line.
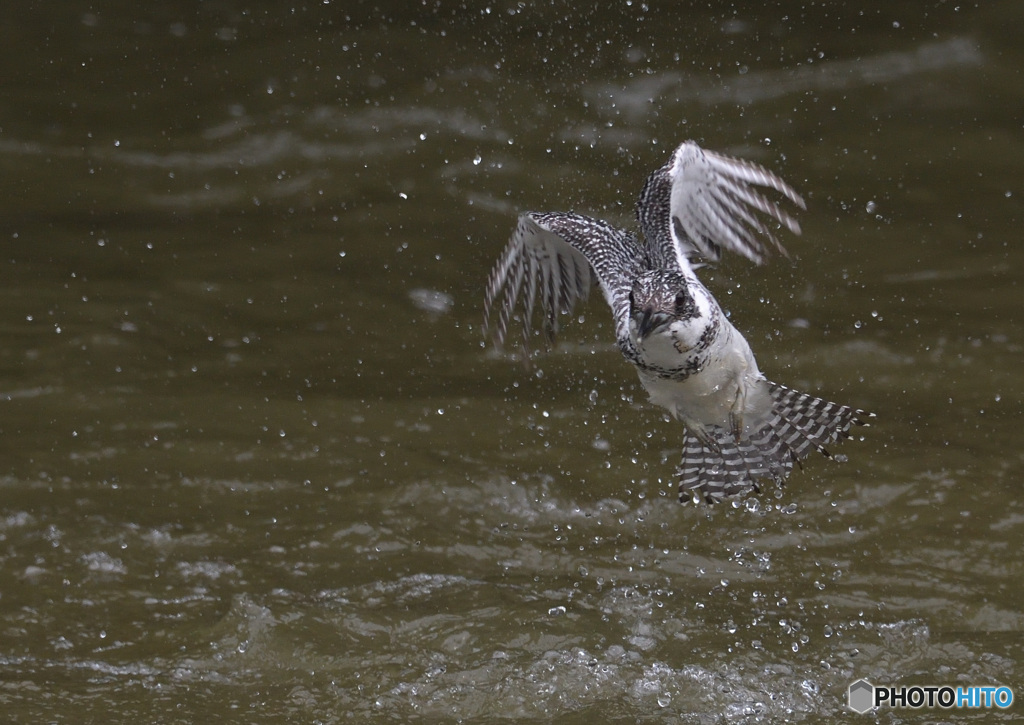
[259, 466]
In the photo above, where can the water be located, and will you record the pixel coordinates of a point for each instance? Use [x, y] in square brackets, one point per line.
[260, 468]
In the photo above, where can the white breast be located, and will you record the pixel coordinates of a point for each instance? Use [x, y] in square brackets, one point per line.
[707, 397]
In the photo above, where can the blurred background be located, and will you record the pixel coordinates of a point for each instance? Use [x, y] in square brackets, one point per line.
[259, 466]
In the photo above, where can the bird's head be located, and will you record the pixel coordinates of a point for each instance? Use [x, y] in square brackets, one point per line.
[659, 299]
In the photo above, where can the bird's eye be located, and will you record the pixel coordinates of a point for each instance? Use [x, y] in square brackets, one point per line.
[682, 300]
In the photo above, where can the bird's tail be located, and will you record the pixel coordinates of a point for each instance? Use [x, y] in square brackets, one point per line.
[719, 464]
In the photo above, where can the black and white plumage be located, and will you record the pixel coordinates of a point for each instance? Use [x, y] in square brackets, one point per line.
[740, 429]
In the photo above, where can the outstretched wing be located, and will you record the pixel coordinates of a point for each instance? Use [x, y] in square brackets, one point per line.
[555, 259]
[713, 204]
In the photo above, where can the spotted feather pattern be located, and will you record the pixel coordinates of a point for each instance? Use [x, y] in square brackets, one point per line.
[693, 207]
[799, 424]
[702, 202]
[555, 259]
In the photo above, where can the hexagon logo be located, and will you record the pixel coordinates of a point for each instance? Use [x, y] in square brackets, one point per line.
[861, 696]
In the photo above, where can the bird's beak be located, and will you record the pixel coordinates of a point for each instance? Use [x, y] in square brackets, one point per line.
[649, 320]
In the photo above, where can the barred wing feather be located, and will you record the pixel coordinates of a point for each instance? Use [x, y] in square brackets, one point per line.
[715, 205]
[555, 259]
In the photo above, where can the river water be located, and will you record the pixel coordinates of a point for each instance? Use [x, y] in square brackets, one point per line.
[258, 465]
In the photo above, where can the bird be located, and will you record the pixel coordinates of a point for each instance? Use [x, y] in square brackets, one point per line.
[740, 430]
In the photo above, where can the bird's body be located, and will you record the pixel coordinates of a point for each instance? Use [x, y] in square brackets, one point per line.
[691, 360]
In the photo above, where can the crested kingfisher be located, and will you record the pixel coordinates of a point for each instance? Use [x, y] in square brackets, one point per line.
[740, 429]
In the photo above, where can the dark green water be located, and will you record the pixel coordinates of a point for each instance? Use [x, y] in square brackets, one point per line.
[259, 467]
